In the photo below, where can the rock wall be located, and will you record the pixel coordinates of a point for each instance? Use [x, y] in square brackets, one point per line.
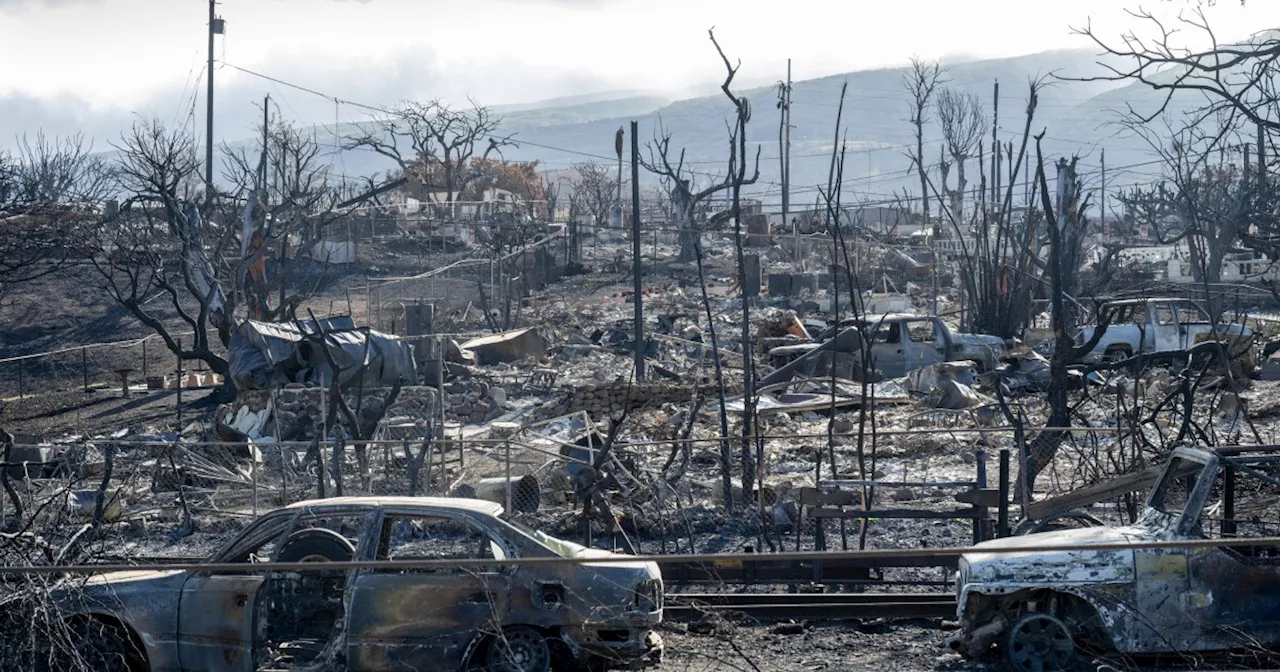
[602, 399]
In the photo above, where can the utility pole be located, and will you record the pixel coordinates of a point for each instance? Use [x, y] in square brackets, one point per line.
[995, 144]
[635, 248]
[1262, 155]
[784, 156]
[262, 167]
[617, 209]
[1106, 226]
[215, 28]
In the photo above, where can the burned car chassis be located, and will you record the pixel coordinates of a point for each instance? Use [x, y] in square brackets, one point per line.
[517, 618]
[1037, 606]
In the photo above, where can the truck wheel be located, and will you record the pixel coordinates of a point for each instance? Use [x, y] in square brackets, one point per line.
[518, 650]
[316, 545]
[1113, 355]
[1039, 643]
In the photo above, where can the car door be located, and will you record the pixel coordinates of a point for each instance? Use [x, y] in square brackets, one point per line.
[1234, 596]
[1164, 324]
[887, 348]
[215, 612]
[923, 345]
[1161, 575]
[426, 618]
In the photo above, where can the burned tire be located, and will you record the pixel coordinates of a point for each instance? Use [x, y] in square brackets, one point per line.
[99, 646]
[1039, 642]
[518, 650]
[316, 545]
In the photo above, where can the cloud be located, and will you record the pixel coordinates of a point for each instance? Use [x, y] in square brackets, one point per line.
[410, 74]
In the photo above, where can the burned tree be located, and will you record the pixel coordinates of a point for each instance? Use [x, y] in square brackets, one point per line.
[920, 83]
[433, 144]
[678, 185]
[160, 244]
[737, 178]
[1237, 80]
[596, 191]
[287, 198]
[1206, 205]
[1067, 229]
[999, 251]
[50, 193]
[963, 125]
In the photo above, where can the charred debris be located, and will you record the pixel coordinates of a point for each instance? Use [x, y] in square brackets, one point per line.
[678, 373]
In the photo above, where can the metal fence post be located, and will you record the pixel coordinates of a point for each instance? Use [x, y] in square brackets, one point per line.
[1002, 512]
[507, 448]
[980, 519]
[22, 383]
[179, 382]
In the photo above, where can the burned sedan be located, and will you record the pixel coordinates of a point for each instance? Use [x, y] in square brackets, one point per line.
[1038, 606]
[513, 618]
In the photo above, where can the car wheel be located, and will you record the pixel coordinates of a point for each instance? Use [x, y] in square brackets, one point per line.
[316, 545]
[100, 647]
[518, 650]
[1039, 643]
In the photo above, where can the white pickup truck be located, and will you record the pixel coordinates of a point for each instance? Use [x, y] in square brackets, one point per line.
[1159, 325]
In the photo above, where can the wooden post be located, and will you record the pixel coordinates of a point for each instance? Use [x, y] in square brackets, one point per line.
[84, 367]
[22, 383]
[144, 359]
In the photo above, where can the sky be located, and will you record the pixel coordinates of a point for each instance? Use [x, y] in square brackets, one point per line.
[95, 64]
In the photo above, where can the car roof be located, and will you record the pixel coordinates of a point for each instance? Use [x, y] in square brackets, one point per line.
[889, 317]
[1152, 299]
[477, 505]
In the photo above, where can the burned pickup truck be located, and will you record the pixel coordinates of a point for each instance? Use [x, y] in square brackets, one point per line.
[899, 343]
[429, 616]
[1149, 325]
[1110, 594]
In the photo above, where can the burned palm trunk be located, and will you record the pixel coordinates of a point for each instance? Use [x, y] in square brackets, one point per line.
[1067, 228]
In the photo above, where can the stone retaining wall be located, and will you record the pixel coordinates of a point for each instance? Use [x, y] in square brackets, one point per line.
[601, 399]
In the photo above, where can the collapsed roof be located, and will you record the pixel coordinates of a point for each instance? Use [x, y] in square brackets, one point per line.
[267, 355]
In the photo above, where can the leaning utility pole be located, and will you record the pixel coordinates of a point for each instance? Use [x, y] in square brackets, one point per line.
[635, 249]
[215, 28]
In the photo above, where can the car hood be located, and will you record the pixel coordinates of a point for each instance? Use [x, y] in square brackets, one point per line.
[978, 339]
[1014, 560]
[569, 549]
